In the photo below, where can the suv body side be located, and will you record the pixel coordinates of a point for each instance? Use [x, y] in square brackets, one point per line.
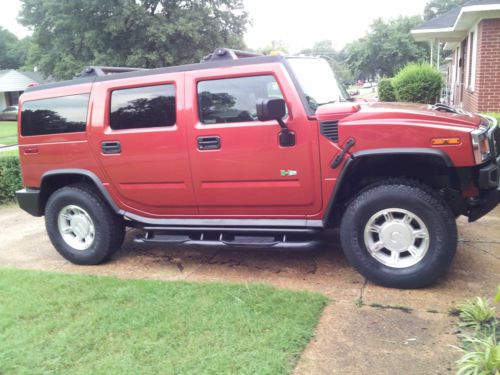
[160, 172]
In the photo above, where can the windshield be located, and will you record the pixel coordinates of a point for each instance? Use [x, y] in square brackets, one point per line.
[318, 81]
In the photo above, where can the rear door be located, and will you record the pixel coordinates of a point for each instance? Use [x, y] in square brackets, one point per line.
[239, 167]
[140, 140]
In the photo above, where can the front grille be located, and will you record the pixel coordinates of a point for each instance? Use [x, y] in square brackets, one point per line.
[330, 129]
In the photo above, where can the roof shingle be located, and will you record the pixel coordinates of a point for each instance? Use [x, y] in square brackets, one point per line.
[449, 18]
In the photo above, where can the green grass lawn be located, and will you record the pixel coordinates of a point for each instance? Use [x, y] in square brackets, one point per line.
[57, 324]
[9, 153]
[496, 115]
[8, 133]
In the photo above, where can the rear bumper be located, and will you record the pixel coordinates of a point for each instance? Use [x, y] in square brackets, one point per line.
[29, 201]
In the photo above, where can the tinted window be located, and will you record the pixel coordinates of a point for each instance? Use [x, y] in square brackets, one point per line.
[234, 99]
[143, 107]
[65, 114]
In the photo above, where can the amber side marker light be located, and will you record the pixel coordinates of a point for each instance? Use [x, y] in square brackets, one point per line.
[446, 141]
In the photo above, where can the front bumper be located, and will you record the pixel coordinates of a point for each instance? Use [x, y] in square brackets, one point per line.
[489, 185]
[29, 201]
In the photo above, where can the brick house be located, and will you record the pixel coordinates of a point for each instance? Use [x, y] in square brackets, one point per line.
[472, 33]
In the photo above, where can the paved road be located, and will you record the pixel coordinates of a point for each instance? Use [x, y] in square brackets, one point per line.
[393, 332]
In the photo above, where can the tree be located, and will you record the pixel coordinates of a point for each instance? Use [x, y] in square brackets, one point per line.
[436, 8]
[68, 35]
[275, 45]
[13, 50]
[387, 48]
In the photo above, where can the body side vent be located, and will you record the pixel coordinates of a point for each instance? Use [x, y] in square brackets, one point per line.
[330, 130]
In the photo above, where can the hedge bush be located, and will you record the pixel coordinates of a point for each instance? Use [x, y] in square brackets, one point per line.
[386, 91]
[418, 83]
[10, 178]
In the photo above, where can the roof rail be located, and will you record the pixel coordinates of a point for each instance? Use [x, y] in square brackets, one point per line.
[98, 71]
[228, 54]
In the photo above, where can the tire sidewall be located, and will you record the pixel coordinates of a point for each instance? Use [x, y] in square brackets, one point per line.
[442, 237]
[94, 253]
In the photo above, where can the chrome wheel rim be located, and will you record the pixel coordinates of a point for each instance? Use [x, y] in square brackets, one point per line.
[396, 238]
[76, 227]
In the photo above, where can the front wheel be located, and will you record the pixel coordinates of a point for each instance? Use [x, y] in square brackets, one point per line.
[400, 235]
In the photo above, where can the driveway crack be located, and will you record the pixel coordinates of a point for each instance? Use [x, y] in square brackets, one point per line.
[484, 251]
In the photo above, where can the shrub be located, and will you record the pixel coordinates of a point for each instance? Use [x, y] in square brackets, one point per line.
[418, 83]
[386, 91]
[496, 115]
[483, 357]
[476, 312]
[10, 178]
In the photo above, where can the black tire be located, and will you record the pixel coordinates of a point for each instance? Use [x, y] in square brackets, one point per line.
[419, 200]
[109, 228]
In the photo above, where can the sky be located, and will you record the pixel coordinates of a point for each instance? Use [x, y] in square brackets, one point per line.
[297, 23]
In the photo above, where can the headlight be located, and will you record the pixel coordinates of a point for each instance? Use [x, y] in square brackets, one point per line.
[481, 144]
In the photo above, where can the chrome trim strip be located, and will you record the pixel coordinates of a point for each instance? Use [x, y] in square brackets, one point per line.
[282, 223]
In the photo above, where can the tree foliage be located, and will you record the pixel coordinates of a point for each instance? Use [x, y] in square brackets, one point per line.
[275, 45]
[68, 35]
[13, 51]
[387, 48]
[436, 8]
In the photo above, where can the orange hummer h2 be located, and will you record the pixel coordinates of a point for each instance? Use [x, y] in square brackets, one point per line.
[253, 151]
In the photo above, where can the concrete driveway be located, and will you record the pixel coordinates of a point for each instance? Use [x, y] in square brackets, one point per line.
[365, 329]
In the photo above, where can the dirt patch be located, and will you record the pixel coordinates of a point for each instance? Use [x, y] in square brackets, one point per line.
[393, 331]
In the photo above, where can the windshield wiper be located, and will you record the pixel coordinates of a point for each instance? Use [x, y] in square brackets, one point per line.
[330, 102]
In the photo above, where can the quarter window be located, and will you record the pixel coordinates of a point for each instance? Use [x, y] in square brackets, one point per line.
[232, 100]
[65, 114]
[143, 107]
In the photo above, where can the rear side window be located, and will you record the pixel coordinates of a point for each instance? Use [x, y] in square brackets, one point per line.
[143, 107]
[65, 114]
[234, 99]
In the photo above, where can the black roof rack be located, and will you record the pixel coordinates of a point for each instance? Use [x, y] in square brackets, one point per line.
[228, 54]
[99, 71]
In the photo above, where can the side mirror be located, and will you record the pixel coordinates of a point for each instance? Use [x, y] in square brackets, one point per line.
[275, 109]
[271, 109]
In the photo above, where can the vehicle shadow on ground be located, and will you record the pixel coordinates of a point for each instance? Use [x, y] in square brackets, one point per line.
[191, 259]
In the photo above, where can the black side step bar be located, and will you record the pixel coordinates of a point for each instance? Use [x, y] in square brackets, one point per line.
[281, 238]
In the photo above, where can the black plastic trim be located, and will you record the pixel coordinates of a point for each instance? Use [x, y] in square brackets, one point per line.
[93, 177]
[490, 199]
[330, 130]
[171, 69]
[377, 152]
[29, 201]
[405, 151]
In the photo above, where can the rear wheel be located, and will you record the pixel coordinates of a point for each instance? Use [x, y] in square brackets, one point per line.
[400, 234]
[81, 226]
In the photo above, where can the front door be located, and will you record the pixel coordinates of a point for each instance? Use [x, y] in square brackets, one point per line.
[142, 144]
[239, 167]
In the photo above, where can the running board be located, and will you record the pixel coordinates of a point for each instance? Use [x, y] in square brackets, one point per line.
[278, 238]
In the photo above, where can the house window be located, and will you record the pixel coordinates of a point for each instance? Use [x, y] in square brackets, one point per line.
[472, 57]
[13, 97]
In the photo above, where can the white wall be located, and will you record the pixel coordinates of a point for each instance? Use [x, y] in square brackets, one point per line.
[3, 102]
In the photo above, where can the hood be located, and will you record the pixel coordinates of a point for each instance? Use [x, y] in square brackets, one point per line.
[382, 112]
